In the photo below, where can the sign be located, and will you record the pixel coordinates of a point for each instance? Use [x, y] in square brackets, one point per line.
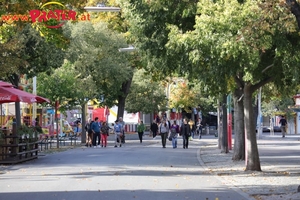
[52, 14]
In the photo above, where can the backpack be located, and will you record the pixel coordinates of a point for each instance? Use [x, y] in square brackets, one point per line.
[89, 126]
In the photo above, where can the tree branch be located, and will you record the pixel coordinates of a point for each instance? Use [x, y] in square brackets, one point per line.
[238, 81]
[261, 83]
[263, 71]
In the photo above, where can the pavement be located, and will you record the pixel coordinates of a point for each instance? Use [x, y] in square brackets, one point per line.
[280, 164]
[279, 157]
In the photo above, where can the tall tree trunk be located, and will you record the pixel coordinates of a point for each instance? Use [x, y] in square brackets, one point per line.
[252, 162]
[239, 134]
[220, 125]
[83, 121]
[15, 79]
[122, 97]
[224, 146]
[295, 9]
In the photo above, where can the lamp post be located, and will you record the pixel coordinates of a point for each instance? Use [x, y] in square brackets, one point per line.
[128, 49]
[34, 104]
[102, 9]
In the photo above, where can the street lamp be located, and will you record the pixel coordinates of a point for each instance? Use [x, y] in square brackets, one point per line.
[128, 49]
[102, 9]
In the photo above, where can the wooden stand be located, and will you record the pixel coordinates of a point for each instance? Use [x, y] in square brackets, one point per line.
[15, 150]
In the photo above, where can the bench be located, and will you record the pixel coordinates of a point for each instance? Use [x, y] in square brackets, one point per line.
[73, 138]
[62, 138]
[44, 142]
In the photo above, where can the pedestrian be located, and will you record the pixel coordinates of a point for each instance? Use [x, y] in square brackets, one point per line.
[185, 133]
[199, 127]
[157, 119]
[192, 129]
[88, 129]
[164, 131]
[118, 133]
[140, 129]
[78, 130]
[154, 129]
[104, 134]
[283, 125]
[174, 133]
[96, 132]
[122, 124]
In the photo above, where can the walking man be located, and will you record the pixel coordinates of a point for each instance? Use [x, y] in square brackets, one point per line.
[185, 132]
[141, 128]
[122, 124]
[96, 132]
[118, 133]
[199, 127]
[283, 124]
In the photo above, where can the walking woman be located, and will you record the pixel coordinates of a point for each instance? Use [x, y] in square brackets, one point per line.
[185, 132]
[164, 131]
[88, 129]
[192, 129]
[141, 128]
[104, 133]
[174, 133]
[154, 128]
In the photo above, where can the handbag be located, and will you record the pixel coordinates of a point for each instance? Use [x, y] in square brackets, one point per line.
[170, 138]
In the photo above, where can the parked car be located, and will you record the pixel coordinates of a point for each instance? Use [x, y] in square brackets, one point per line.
[268, 129]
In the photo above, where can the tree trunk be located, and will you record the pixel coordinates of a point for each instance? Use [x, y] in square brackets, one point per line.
[239, 134]
[220, 125]
[252, 158]
[83, 120]
[295, 9]
[14, 80]
[122, 97]
[224, 146]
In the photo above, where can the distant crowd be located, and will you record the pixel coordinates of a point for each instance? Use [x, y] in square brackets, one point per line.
[97, 132]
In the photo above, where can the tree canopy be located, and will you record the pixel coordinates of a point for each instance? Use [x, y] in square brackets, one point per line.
[145, 95]
[94, 52]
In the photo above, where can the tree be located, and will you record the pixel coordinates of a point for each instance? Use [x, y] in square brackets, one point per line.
[64, 86]
[94, 52]
[30, 54]
[255, 57]
[145, 95]
[148, 23]
[249, 43]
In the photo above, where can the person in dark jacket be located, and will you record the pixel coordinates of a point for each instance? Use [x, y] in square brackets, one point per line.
[154, 128]
[88, 129]
[96, 132]
[185, 133]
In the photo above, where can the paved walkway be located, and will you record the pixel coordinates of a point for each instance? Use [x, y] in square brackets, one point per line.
[280, 163]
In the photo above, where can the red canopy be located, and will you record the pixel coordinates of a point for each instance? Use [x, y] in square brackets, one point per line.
[4, 84]
[10, 94]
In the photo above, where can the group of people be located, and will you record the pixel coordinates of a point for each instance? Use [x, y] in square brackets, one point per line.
[99, 131]
[171, 131]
